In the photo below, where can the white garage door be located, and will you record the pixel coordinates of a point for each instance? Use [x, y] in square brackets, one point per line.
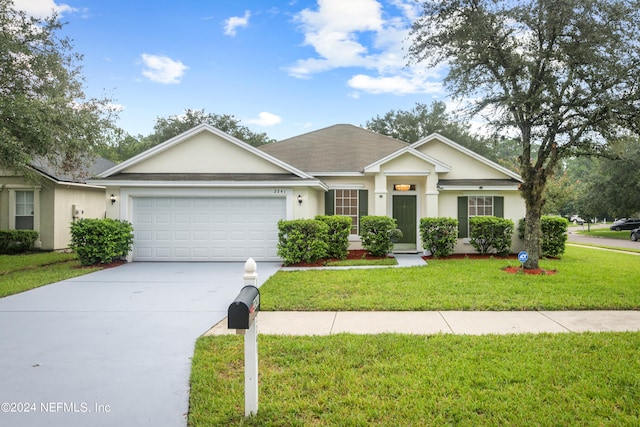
[206, 228]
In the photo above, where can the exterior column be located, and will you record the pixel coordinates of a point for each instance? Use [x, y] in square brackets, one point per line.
[381, 203]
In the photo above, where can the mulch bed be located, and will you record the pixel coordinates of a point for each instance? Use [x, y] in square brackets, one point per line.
[511, 269]
[353, 254]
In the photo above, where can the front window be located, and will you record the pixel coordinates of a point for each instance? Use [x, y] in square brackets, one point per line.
[347, 205]
[24, 210]
[480, 206]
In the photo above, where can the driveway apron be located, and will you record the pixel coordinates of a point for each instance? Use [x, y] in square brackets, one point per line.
[111, 348]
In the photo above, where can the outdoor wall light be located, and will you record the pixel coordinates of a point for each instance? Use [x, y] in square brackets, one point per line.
[300, 199]
[112, 198]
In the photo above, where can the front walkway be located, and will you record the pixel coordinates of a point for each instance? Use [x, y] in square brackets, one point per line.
[435, 322]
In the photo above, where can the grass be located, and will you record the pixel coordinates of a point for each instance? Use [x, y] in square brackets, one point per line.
[586, 279]
[19, 273]
[393, 380]
[606, 233]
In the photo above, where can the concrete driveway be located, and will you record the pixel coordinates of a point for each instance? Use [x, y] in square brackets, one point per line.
[111, 348]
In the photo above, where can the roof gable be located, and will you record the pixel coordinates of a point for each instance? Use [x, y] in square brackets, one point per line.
[203, 150]
[446, 150]
[407, 151]
[337, 149]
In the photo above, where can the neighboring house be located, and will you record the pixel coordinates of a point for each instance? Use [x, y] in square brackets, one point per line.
[49, 204]
[206, 196]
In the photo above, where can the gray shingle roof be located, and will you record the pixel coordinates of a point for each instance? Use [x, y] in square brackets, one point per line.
[94, 167]
[338, 148]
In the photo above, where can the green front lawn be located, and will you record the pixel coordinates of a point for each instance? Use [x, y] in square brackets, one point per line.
[19, 273]
[407, 380]
[586, 279]
[606, 233]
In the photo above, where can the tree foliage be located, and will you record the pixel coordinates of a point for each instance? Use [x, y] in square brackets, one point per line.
[44, 112]
[612, 188]
[562, 76]
[168, 127]
[165, 128]
[421, 121]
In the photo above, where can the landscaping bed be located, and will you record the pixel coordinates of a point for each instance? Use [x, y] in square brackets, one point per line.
[352, 257]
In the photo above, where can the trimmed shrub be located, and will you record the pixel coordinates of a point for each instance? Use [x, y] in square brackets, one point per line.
[554, 235]
[439, 235]
[338, 234]
[377, 234]
[101, 241]
[17, 241]
[302, 240]
[490, 234]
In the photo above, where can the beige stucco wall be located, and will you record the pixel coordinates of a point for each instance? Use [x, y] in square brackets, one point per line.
[514, 210]
[462, 166]
[54, 201]
[205, 153]
[89, 201]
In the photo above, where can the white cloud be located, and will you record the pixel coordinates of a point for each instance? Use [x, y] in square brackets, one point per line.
[397, 85]
[332, 31]
[42, 8]
[162, 69]
[231, 24]
[359, 33]
[265, 119]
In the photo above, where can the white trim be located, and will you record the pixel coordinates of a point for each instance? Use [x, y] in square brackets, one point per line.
[212, 184]
[477, 188]
[317, 174]
[190, 133]
[347, 187]
[406, 173]
[465, 150]
[440, 167]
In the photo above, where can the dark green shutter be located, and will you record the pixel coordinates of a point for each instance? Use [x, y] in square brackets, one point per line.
[498, 207]
[330, 202]
[463, 217]
[363, 203]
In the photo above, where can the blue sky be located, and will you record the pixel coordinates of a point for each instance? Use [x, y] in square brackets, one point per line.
[281, 67]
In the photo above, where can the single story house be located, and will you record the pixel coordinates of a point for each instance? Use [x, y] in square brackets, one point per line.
[206, 196]
[51, 202]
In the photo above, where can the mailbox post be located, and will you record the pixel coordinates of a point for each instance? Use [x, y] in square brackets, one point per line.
[242, 316]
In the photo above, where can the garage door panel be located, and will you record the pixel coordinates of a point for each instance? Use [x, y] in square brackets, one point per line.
[206, 229]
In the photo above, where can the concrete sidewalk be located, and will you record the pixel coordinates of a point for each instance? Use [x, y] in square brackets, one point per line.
[435, 322]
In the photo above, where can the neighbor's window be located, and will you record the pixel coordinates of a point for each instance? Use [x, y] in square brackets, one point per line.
[24, 210]
[480, 206]
[347, 205]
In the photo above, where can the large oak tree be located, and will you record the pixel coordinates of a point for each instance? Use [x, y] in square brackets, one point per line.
[560, 75]
[44, 112]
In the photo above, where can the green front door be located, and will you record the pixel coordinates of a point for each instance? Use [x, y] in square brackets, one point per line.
[404, 212]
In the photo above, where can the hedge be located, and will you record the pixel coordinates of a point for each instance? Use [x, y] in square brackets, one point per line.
[17, 241]
[302, 240]
[337, 235]
[554, 235]
[490, 234]
[377, 234]
[101, 241]
[439, 235]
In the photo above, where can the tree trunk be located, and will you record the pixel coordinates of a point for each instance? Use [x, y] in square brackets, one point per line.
[532, 191]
